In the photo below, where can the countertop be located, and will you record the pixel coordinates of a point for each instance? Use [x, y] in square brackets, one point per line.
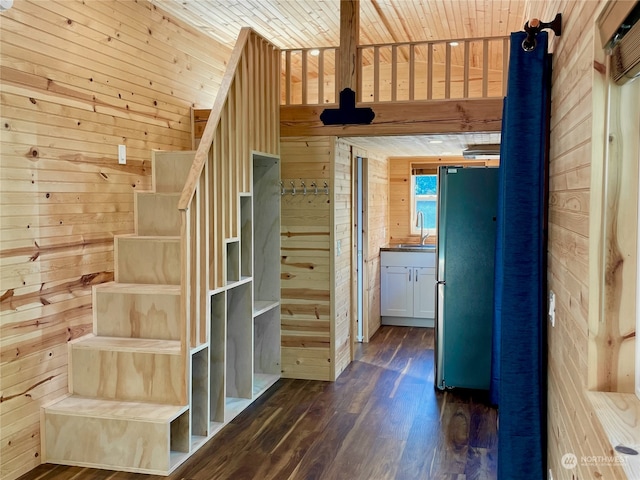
[404, 247]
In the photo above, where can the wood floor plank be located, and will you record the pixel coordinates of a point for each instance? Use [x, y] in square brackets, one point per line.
[382, 419]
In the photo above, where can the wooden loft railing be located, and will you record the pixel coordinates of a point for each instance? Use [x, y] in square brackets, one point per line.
[434, 70]
[240, 122]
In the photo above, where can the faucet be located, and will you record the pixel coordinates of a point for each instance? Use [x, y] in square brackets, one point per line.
[420, 223]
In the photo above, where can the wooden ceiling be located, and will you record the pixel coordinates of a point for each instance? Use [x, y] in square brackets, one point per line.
[316, 23]
[424, 145]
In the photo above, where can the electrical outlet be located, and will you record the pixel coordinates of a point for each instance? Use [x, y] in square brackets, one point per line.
[552, 308]
[122, 154]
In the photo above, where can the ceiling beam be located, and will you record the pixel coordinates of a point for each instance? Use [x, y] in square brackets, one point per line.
[400, 118]
[349, 32]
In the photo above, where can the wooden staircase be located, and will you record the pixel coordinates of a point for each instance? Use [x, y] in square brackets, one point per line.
[188, 334]
[128, 406]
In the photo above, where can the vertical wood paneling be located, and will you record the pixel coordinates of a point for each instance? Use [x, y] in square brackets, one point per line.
[78, 78]
[316, 274]
[342, 271]
[572, 424]
[399, 199]
[306, 260]
[378, 219]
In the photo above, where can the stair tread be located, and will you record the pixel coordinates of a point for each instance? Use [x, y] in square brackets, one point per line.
[135, 288]
[117, 409]
[124, 344]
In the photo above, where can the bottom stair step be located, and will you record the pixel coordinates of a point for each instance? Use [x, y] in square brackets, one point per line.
[128, 436]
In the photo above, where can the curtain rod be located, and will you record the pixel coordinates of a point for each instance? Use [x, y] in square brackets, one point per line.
[535, 25]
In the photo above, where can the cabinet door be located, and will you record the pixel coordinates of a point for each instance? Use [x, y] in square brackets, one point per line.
[396, 296]
[424, 292]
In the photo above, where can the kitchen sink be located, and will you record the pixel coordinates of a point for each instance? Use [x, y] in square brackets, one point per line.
[415, 245]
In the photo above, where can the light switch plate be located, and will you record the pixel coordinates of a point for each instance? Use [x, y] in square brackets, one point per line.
[122, 154]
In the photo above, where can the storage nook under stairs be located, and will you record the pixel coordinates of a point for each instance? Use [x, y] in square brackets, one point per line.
[141, 397]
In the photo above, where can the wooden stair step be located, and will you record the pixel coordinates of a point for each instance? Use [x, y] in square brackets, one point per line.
[137, 310]
[99, 408]
[157, 214]
[147, 259]
[123, 344]
[128, 369]
[170, 170]
[130, 436]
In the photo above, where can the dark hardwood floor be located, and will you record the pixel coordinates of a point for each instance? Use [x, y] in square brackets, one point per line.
[382, 419]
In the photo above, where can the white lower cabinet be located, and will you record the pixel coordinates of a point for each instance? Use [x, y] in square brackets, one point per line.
[424, 292]
[396, 297]
[407, 284]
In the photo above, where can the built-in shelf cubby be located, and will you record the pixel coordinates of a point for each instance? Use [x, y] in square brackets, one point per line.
[217, 357]
[266, 344]
[239, 361]
[179, 437]
[200, 392]
[233, 261]
[266, 272]
[266, 228]
[246, 235]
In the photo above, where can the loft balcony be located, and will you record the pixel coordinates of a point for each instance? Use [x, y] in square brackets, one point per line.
[400, 72]
[428, 87]
[414, 88]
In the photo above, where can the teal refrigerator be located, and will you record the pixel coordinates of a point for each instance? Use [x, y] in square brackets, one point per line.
[466, 238]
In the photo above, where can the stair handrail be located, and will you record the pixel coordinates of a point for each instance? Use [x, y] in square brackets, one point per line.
[206, 140]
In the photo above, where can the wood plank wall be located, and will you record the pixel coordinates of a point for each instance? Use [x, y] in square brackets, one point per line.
[399, 199]
[306, 312]
[377, 236]
[316, 274]
[342, 272]
[78, 78]
[572, 424]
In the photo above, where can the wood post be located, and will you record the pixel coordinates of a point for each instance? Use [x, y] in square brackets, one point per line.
[349, 32]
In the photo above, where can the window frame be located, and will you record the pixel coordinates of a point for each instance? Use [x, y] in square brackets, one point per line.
[612, 226]
[415, 230]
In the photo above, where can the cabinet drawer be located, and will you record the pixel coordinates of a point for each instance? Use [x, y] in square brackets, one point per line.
[407, 259]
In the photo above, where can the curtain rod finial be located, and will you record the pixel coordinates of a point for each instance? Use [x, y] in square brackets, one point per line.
[535, 25]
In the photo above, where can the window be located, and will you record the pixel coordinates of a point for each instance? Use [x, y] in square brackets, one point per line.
[613, 234]
[424, 193]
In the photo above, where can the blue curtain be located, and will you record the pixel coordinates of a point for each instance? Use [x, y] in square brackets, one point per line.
[518, 383]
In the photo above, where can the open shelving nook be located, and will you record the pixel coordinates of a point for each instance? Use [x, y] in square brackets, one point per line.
[241, 360]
